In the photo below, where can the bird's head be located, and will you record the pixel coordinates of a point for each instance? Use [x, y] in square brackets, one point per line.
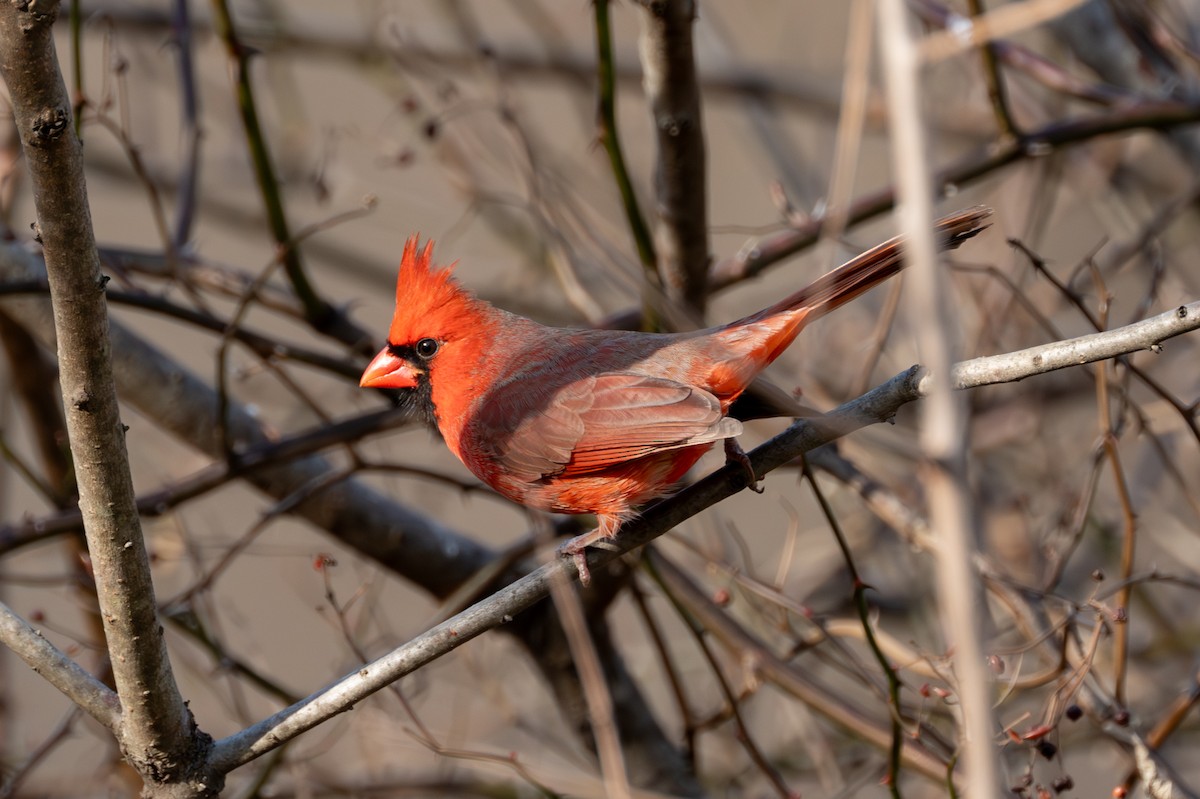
[437, 327]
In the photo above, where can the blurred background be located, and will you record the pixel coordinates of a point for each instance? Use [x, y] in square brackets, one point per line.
[475, 124]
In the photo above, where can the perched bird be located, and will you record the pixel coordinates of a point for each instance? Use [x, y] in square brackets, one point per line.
[592, 421]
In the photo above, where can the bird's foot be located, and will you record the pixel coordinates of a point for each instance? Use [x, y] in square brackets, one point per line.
[735, 453]
[576, 550]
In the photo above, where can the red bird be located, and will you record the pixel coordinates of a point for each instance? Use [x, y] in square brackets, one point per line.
[592, 421]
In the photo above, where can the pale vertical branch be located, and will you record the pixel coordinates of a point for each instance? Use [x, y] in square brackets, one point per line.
[595, 688]
[943, 429]
[856, 85]
[681, 210]
[189, 100]
[156, 727]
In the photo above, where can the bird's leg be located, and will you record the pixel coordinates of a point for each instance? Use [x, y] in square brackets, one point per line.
[735, 453]
[576, 548]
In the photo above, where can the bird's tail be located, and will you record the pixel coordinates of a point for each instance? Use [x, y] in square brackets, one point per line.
[859, 274]
[876, 265]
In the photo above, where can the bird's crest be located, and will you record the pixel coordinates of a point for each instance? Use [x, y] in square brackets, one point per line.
[428, 298]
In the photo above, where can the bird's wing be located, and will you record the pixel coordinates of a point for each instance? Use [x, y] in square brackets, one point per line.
[599, 421]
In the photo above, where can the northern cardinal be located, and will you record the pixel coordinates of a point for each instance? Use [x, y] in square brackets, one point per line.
[592, 421]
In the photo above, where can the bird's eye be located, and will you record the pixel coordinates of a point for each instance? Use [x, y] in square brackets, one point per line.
[427, 348]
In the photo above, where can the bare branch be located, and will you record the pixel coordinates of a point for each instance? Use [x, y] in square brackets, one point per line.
[96, 698]
[156, 728]
[769, 250]
[609, 135]
[1147, 334]
[943, 427]
[323, 317]
[669, 69]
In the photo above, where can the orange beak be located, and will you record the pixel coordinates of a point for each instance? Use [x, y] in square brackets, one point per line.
[387, 371]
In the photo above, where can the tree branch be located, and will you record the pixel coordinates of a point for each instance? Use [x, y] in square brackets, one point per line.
[156, 729]
[877, 405]
[93, 696]
[669, 79]
[1148, 114]
[943, 433]
[1147, 334]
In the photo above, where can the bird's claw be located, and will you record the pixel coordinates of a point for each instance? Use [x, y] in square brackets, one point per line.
[600, 538]
[580, 559]
[735, 453]
[576, 550]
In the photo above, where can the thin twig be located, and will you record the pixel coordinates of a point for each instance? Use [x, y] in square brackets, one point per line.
[997, 91]
[320, 314]
[732, 700]
[609, 135]
[596, 693]
[770, 250]
[859, 593]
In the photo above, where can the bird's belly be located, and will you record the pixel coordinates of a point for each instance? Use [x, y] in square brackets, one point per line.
[615, 491]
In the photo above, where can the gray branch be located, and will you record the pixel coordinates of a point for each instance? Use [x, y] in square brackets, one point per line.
[1147, 334]
[96, 698]
[156, 730]
[942, 433]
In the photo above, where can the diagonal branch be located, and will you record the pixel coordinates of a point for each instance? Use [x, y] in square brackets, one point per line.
[773, 248]
[323, 317]
[877, 405]
[606, 124]
[96, 698]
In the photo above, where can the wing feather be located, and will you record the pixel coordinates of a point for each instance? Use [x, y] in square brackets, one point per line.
[596, 422]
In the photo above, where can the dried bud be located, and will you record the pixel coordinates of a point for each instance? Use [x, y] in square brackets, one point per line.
[1063, 783]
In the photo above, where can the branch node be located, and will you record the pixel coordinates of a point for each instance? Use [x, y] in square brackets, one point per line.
[82, 400]
[36, 17]
[49, 126]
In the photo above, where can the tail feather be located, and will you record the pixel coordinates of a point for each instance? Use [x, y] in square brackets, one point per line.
[864, 272]
[778, 325]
